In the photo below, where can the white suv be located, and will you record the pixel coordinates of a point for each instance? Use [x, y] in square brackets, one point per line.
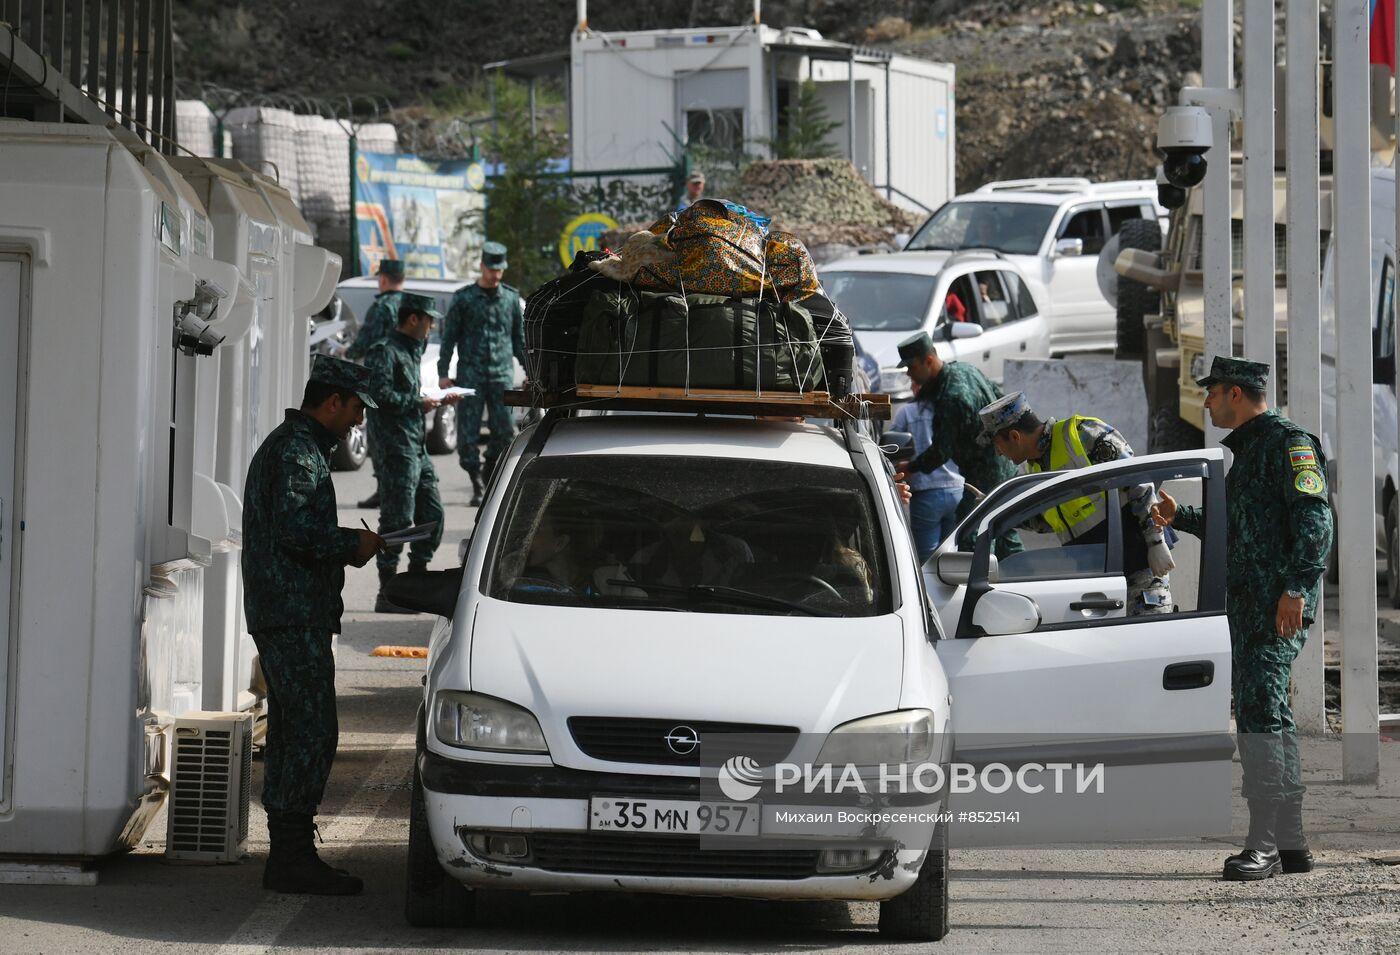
[640, 588]
[975, 305]
[1054, 230]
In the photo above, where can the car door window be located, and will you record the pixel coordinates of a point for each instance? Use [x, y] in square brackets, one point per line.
[992, 300]
[1096, 561]
[960, 304]
[1086, 224]
[1119, 216]
[1019, 297]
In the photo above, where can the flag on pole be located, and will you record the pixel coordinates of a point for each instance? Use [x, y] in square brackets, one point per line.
[1383, 32]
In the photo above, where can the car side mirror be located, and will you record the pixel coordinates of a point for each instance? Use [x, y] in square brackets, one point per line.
[427, 591]
[955, 567]
[1000, 612]
[1067, 248]
[964, 330]
[897, 445]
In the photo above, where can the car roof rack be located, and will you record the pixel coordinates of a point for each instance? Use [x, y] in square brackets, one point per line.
[1050, 184]
[778, 404]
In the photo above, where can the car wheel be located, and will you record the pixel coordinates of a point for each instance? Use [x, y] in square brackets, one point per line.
[1135, 300]
[1168, 431]
[350, 454]
[1392, 552]
[921, 912]
[431, 898]
[442, 439]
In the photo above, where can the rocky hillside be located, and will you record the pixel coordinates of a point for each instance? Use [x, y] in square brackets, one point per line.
[1045, 87]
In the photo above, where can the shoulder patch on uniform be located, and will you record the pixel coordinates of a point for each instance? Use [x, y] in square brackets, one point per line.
[1302, 457]
[1308, 482]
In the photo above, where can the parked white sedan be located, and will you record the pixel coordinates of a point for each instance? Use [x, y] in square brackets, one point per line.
[975, 305]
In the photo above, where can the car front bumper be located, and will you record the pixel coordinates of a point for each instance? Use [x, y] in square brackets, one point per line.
[550, 807]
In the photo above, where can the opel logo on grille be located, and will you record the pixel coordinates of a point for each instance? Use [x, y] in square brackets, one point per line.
[682, 740]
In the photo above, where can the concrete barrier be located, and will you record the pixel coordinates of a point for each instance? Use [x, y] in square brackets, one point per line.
[1098, 387]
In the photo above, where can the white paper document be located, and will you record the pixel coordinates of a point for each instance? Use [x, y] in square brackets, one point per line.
[407, 535]
[438, 394]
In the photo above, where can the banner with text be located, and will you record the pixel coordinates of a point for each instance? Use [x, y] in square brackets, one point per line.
[429, 214]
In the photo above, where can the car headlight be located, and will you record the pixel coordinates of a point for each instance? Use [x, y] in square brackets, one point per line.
[894, 381]
[473, 721]
[904, 736]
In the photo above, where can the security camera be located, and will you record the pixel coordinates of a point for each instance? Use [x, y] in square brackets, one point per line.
[1169, 196]
[194, 336]
[1183, 137]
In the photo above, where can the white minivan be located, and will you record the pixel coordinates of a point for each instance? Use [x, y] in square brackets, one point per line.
[638, 584]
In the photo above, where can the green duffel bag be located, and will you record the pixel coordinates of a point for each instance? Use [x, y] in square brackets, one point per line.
[700, 341]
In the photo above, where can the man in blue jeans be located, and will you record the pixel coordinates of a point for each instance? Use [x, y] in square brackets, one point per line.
[933, 507]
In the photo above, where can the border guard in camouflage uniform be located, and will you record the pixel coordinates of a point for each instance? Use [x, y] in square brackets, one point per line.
[294, 557]
[377, 325]
[1278, 537]
[1020, 436]
[486, 324]
[957, 392]
[408, 483]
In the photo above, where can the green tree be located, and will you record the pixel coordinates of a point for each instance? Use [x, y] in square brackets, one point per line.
[806, 124]
[526, 209]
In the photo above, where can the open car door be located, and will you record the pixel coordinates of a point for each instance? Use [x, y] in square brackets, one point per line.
[1047, 670]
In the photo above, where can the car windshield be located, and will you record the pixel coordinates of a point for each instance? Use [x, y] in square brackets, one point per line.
[359, 298]
[881, 301]
[691, 534]
[1016, 228]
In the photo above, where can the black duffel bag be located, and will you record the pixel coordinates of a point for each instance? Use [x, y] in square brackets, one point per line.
[837, 345]
[553, 313]
[660, 339]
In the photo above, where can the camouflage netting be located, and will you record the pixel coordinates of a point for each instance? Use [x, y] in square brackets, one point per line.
[824, 202]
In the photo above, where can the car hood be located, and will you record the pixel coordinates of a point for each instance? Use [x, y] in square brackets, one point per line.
[810, 672]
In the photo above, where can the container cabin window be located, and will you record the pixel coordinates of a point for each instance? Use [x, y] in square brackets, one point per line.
[719, 129]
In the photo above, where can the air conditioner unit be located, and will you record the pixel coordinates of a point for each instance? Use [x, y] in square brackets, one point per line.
[211, 773]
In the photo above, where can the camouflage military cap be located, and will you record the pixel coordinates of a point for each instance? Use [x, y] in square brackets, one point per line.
[914, 348]
[390, 267]
[339, 373]
[493, 255]
[1002, 414]
[421, 304]
[1236, 371]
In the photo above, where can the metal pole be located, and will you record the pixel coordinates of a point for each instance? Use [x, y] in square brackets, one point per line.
[889, 137]
[532, 106]
[1304, 300]
[75, 46]
[58, 39]
[1351, 229]
[354, 247]
[113, 44]
[94, 47]
[143, 67]
[128, 59]
[851, 105]
[1260, 263]
[1218, 71]
[773, 101]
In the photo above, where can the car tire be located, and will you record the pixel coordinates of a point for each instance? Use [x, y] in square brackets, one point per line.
[1169, 432]
[350, 454]
[432, 899]
[1392, 552]
[1135, 300]
[921, 912]
[442, 437]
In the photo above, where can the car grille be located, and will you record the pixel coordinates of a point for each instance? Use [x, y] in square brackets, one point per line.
[627, 740]
[627, 854]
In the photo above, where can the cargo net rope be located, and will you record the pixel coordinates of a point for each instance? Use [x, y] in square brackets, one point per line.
[707, 302]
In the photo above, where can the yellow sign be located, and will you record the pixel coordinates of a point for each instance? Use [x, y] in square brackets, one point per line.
[582, 234]
[476, 176]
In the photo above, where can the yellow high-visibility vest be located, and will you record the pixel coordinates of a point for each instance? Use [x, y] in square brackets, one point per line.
[1071, 519]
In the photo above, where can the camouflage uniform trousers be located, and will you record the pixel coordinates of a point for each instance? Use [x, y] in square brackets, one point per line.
[489, 397]
[302, 730]
[408, 495]
[1266, 735]
[374, 440]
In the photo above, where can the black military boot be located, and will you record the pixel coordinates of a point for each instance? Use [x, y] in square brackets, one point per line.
[1260, 859]
[371, 502]
[417, 566]
[1293, 849]
[382, 603]
[477, 488]
[293, 865]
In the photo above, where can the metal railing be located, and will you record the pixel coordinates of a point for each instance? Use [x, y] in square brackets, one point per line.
[90, 61]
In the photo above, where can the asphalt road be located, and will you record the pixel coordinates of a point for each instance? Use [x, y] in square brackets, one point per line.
[1158, 897]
